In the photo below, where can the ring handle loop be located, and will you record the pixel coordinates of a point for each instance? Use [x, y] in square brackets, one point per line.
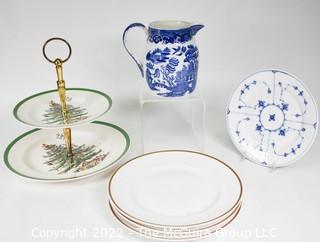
[52, 39]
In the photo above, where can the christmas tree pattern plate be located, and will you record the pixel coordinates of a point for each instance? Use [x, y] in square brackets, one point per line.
[43, 110]
[272, 118]
[41, 154]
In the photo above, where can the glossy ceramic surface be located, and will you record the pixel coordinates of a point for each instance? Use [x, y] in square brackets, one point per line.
[171, 60]
[175, 188]
[272, 118]
[171, 234]
[41, 154]
[43, 110]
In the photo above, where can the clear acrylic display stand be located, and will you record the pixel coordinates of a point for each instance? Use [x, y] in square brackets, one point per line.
[169, 123]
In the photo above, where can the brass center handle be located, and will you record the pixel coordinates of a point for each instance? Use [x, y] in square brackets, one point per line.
[61, 90]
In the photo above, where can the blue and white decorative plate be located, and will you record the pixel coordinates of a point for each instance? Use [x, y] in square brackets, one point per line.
[272, 118]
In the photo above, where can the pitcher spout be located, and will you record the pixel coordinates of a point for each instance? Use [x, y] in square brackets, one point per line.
[195, 28]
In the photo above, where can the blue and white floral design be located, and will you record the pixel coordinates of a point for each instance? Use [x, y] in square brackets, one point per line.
[272, 118]
[169, 36]
[171, 65]
[172, 71]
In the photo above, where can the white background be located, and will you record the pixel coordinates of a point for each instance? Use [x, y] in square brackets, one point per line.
[239, 38]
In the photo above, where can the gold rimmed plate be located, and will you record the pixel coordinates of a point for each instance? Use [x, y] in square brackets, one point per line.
[173, 234]
[175, 189]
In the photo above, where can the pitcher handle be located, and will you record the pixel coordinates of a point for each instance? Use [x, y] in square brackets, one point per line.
[124, 40]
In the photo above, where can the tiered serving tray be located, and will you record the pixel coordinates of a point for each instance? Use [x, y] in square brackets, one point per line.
[55, 152]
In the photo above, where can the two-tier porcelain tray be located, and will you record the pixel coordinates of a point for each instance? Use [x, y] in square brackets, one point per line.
[52, 151]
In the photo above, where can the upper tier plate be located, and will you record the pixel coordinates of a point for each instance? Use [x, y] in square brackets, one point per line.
[43, 110]
[272, 118]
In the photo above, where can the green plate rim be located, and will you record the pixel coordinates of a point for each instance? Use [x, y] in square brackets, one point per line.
[9, 147]
[19, 104]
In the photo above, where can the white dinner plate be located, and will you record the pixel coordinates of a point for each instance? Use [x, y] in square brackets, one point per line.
[272, 118]
[174, 188]
[180, 228]
[41, 154]
[43, 110]
[172, 234]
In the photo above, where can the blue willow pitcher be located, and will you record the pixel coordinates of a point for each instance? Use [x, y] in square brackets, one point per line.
[171, 64]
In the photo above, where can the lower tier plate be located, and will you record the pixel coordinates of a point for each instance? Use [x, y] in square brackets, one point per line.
[41, 154]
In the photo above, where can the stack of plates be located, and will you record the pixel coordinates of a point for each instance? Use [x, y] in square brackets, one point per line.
[175, 195]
